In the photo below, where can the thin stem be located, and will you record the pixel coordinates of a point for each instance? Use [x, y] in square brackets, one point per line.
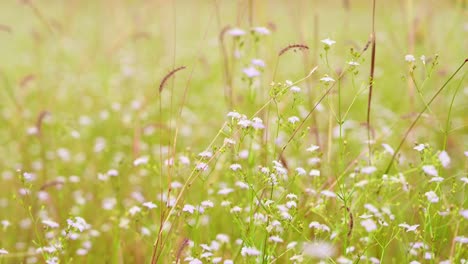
[421, 113]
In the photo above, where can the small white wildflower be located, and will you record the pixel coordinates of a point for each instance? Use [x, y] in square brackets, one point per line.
[328, 193]
[261, 30]
[223, 238]
[225, 191]
[291, 245]
[293, 119]
[236, 209]
[275, 239]
[236, 32]
[188, 208]
[3, 251]
[149, 205]
[368, 170]
[250, 251]
[78, 223]
[251, 72]
[319, 226]
[432, 197]
[388, 149]
[430, 170]
[312, 148]
[258, 62]
[409, 58]
[369, 225]
[295, 89]
[257, 123]
[353, 63]
[319, 249]
[419, 147]
[464, 213]
[409, 228]
[50, 223]
[327, 79]
[201, 166]
[235, 167]
[464, 180]
[301, 171]
[134, 210]
[291, 204]
[314, 173]
[141, 161]
[195, 261]
[291, 196]
[205, 154]
[207, 203]
[423, 59]
[436, 179]
[328, 42]
[461, 239]
[229, 141]
[245, 123]
[444, 159]
[234, 115]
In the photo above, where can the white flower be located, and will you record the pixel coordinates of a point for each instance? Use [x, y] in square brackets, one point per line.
[251, 72]
[436, 179]
[3, 251]
[430, 170]
[207, 204]
[409, 228]
[319, 226]
[432, 197]
[312, 148]
[461, 239]
[314, 173]
[258, 62]
[328, 42]
[201, 166]
[261, 30]
[419, 147]
[368, 170]
[205, 154]
[235, 167]
[353, 63]
[244, 122]
[293, 119]
[301, 171]
[369, 225]
[236, 32]
[291, 196]
[319, 249]
[257, 123]
[295, 89]
[141, 161]
[464, 180]
[444, 159]
[388, 149]
[225, 191]
[195, 261]
[250, 251]
[234, 115]
[423, 59]
[134, 210]
[242, 185]
[236, 209]
[275, 239]
[327, 79]
[409, 58]
[328, 193]
[464, 213]
[50, 223]
[78, 223]
[149, 205]
[188, 208]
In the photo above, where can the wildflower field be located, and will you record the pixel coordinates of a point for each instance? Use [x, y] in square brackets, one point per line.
[233, 131]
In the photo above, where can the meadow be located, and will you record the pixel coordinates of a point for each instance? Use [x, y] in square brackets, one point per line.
[233, 131]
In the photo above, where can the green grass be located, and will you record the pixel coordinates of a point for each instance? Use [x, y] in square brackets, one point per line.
[95, 124]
